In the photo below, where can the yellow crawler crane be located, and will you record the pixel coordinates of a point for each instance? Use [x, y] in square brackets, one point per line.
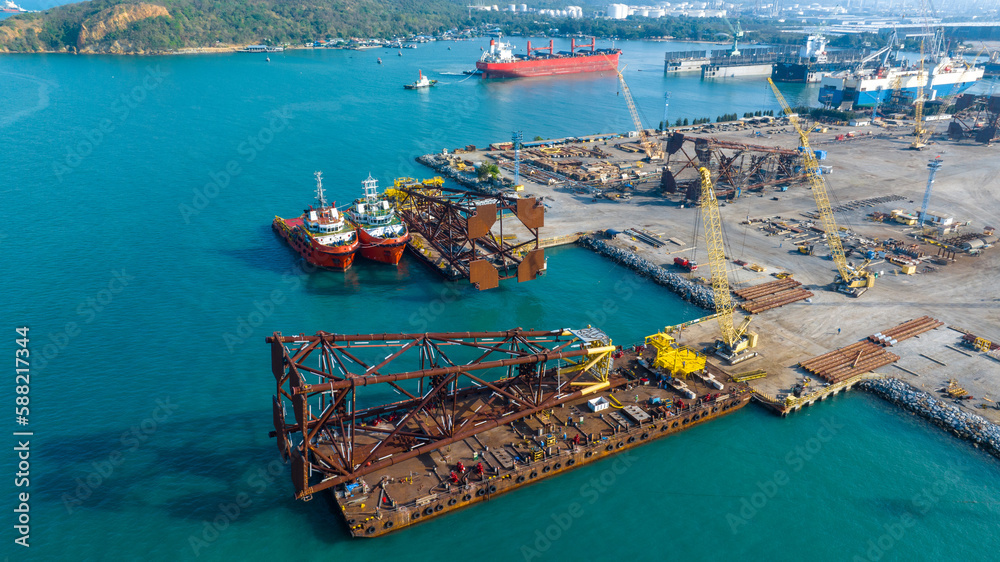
[735, 343]
[849, 280]
[651, 148]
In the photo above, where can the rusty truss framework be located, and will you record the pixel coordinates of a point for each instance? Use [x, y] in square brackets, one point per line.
[341, 427]
[976, 118]
[459, 226]
[737, 167]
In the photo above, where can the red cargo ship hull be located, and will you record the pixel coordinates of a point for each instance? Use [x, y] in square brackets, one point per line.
[385, 250]
[549, 66]
[330, 257]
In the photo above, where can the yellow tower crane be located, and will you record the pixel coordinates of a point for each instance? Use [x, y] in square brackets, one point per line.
[651, 148]
[850, 280]
[735, 343]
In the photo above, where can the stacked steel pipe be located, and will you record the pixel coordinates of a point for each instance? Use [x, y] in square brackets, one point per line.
[772, 295]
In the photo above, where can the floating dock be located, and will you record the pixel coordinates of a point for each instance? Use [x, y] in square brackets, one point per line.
[528, 405]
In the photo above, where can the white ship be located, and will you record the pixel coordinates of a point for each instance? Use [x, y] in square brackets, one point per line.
[941, 76]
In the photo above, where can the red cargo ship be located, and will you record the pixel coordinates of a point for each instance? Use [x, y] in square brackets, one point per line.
[322, 236]
[383, 235]
[501, 62]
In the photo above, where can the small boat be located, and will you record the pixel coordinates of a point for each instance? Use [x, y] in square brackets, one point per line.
[410, 46]
[423, 82]
[401, 53]
[380, 60]
[267, 59]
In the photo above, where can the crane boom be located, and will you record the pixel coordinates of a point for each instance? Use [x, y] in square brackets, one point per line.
[652, 151]
[734, 343]
[919, 132]
[717, 258]
[854, 280]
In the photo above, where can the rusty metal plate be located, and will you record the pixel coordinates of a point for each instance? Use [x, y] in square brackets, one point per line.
[529, 267]
[531, 212]
[279, 428]
[993, 104]
[963, 101]
[298, 473]
[675, 143]
[300, 406]
[481, 222]
[278, 358]
[485, 276]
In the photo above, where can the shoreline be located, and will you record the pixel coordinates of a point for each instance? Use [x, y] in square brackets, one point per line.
[688, 290]
[968, 426]
[235, 48]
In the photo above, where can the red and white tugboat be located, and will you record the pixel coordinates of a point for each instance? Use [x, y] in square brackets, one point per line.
[323, 236]
[383, 235]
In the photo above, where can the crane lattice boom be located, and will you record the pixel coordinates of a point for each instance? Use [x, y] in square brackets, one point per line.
[717, 259]
[647, 145]
[849, 275]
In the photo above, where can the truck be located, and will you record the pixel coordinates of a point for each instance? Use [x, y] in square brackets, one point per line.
[686, 264]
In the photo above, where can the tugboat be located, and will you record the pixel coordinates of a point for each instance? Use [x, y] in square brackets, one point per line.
[323, 236]
[423, 82]
[383, 235]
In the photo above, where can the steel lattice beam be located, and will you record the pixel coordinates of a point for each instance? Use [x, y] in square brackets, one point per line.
[460, 225]
[738, 166]
[340, 433]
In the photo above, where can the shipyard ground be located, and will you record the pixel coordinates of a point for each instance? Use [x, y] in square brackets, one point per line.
[964, 293]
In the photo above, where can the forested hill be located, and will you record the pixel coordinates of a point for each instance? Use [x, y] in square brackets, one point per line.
[123, 26]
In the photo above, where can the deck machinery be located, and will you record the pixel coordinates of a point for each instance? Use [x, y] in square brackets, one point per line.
[853, 281]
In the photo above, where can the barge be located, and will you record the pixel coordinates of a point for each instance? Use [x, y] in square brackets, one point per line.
[555, 400]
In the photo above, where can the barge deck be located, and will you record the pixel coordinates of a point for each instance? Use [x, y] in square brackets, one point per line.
[448, 446]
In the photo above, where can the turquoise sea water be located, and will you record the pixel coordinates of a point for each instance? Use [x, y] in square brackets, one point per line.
[136, 196]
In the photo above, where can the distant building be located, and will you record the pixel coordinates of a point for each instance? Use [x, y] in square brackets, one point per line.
[618, 11]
